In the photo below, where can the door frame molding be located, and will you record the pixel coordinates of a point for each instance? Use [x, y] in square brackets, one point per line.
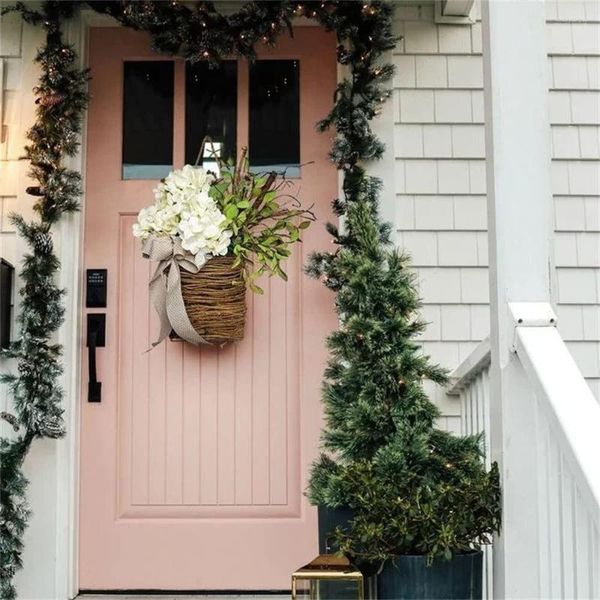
[70, 252]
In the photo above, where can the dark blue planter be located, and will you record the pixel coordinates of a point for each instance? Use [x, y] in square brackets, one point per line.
[409, 578]
[329, 519]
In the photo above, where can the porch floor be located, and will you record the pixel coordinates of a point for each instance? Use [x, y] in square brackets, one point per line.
[182, 596]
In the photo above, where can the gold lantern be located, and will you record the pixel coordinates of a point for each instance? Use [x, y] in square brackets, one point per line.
[326, 572]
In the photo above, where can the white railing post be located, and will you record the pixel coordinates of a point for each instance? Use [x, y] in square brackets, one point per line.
[520, 232]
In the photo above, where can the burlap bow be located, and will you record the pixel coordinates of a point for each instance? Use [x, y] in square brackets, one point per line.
[165, 287]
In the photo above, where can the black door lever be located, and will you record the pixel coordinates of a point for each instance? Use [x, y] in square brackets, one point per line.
[96, 338]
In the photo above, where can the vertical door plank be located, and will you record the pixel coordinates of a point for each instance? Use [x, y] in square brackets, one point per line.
[243, 413]
[260, 397]
[226, 425]
[209, 392]
[139, 338]
[174, 422]
[293, 383]
[191, 425]
[278, 392]
[124, 316]
[156, 427]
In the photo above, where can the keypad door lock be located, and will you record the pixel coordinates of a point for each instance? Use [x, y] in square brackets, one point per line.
[96, 288]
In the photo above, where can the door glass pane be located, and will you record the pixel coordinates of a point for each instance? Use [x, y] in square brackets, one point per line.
[147, 119]
[275, 116]
[210, 110]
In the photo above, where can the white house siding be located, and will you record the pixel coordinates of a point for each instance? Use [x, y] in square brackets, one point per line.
[17, 114]
[440, 204]
[574, 72]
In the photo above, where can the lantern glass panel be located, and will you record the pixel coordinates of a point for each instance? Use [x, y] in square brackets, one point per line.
[328, 577]
[316, 589]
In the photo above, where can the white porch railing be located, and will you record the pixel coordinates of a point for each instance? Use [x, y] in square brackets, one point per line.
[471, 382]
[563, 433]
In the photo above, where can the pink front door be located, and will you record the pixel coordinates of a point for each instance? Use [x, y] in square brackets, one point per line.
[194, 463]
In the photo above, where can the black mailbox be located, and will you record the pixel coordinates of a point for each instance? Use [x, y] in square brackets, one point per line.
[6, 284]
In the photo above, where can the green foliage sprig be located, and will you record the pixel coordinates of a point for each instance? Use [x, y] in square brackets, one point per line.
[265, 220]
[409, 502]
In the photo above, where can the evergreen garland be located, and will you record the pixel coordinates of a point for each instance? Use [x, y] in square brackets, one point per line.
[373, 382]
[35, 388]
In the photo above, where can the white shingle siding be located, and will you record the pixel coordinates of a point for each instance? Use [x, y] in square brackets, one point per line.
[18, 45]
[572, 10]
[440, 178]
[10, 50]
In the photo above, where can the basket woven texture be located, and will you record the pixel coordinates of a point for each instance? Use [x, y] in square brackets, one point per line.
[215, 300]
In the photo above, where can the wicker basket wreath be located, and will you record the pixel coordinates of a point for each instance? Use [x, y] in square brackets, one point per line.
[212, 238]
[215, 300]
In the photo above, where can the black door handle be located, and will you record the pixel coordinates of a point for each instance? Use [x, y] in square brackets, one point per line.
[96, 334]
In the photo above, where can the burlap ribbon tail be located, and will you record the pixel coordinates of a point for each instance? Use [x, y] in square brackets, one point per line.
[165, 287]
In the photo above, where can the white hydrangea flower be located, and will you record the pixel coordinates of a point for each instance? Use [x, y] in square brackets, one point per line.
[146, 224]
[188, 178]
[184, 208]
[202, 230]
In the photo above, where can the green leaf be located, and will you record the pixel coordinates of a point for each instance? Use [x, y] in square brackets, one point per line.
[231, 212]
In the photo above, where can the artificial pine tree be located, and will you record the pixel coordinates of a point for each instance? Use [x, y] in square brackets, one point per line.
[412, 488]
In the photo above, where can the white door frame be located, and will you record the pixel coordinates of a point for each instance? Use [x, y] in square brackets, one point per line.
[69, 243]
[70, 236]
